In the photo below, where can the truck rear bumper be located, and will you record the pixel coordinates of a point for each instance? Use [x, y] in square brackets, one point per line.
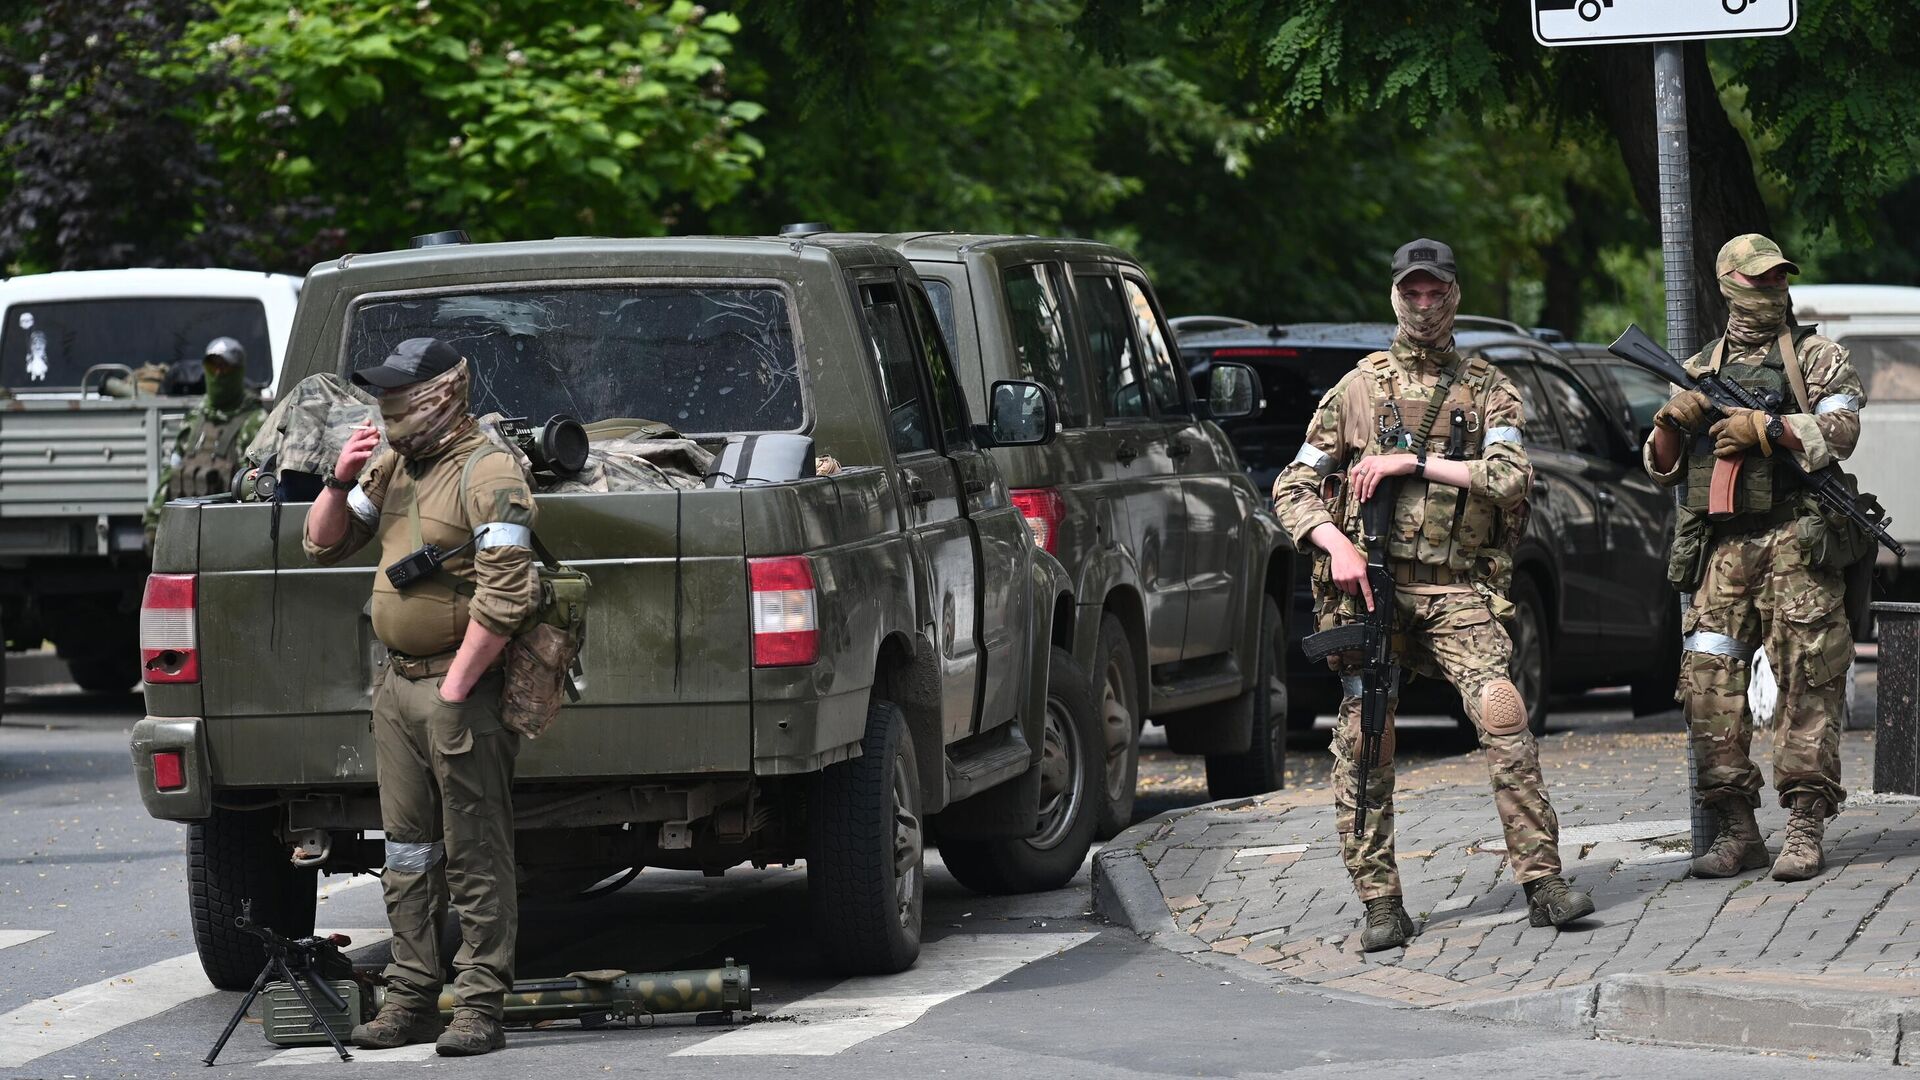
[186, 736]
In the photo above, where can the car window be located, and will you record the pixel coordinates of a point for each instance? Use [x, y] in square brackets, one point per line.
[1583, 424]
[1037, 309]
[1889, 366]
[1642, 390]
[1541, 428]
[894, 351]
[1116, 363]
[1162, 380]
[941, 294]
[948, 401]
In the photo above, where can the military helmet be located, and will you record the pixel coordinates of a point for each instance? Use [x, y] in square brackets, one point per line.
[225, 350]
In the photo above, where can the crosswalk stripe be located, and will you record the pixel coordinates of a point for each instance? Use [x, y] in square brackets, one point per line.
[320, 1055]
[10, 938]
[861, 1008]
[65, 1020]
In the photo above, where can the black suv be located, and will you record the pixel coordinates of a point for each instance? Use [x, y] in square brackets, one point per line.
[1590, 582]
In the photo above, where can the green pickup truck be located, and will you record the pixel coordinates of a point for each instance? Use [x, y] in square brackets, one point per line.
[832, 665]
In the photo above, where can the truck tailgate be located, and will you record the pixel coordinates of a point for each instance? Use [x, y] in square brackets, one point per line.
[60, 458]
[667, 687]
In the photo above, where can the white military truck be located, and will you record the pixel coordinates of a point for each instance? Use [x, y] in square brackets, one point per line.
[1880, 326]
[83, 437]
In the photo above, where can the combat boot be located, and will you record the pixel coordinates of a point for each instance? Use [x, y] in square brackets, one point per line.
[1738, 845]
[1388, 925]
[396, 1025]
[1551, 902]
[1801, 857]
[472, 1033]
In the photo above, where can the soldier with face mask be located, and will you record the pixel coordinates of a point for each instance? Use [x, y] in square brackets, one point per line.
[1762, 564]
[215, 434]
[445, 761]
[1466, 475]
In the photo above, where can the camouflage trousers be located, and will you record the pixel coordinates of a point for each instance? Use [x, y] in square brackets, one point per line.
[1763, 590]
[1455, 635]
[446, 805]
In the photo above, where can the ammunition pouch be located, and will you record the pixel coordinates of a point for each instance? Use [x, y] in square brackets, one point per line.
[1687, 556]
[544, 656]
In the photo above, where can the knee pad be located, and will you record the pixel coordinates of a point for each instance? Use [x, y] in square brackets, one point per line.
[1502, 712]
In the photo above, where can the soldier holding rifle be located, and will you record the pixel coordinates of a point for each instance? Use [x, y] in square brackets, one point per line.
[1761, 543]
[1430, 444]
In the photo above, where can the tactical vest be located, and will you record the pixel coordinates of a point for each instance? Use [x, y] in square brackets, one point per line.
[210, 454]
[1764, 484]
[1434, 524]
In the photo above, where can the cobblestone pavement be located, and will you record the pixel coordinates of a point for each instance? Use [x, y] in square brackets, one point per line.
[1264, 882]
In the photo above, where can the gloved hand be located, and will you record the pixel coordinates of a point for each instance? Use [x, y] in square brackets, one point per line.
[1742, 430]
[1683, 412]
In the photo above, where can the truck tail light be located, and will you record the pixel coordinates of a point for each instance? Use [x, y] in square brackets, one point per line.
[169, 644]
[169, 770]
[1044, 511]
[786, 620]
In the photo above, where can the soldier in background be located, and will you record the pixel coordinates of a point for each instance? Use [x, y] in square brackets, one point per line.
[1447, 552]
[214, 435]
[1770, 572]
[444, 758]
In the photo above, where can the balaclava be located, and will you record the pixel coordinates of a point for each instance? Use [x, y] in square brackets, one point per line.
[1433, 327]
[1755, 314]
[427, 417]
[226, 389]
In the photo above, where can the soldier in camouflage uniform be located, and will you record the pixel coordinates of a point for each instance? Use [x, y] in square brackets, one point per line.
[1453, 520]
[214, 435]
[1767, 570]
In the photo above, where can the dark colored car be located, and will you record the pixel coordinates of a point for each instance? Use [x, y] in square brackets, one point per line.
[1590, 575]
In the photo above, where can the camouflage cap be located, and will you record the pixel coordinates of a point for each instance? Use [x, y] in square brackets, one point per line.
[1751, 254]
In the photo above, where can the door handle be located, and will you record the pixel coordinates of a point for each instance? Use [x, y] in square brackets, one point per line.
[975, 487]
[1605, 497]
[1125, 454]
[1540, 488]
[917, 492]
[1179, 448]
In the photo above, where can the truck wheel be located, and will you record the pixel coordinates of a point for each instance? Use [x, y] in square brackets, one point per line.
[1653, 687]
[1262, 766]
[106, 672]
[235, 856]
[1070, 771]
[1116, 697]
[865, 872]
[1530, 668]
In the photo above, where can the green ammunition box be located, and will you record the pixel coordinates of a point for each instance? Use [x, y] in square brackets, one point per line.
[287, 1022]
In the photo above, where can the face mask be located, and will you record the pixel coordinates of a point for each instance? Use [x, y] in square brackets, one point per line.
[226, 389]
[1430, 328]
[425, 418]
[1755, 315]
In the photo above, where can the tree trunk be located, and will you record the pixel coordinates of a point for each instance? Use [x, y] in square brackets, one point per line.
[1726, 195]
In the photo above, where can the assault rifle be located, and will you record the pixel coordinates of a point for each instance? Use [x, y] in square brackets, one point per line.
[1828, 484]
[1371, 635]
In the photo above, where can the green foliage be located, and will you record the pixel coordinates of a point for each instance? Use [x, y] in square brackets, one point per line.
[512, 118]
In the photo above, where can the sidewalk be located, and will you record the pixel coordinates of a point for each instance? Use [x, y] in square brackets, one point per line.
[1829, 967]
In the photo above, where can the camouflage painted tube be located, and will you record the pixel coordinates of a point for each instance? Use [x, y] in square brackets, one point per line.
[617, 994]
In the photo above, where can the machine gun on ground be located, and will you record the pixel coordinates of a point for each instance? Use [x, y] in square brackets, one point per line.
[1828, 484]
[314, 959]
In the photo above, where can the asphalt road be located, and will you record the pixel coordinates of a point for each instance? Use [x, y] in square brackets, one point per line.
[97, 976]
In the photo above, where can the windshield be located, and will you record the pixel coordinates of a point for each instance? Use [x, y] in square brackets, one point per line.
[1889, 367]
[50, 345]
[706, 360]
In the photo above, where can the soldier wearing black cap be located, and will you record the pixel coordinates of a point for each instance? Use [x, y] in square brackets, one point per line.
[1452, 427]
[445, 761]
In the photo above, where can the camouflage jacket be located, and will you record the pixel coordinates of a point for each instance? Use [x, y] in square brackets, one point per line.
[210, 447]
[1834, 393]
[1432, 524]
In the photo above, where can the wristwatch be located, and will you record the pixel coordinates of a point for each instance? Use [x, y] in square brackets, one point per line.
[1420, 465]
[337, 484]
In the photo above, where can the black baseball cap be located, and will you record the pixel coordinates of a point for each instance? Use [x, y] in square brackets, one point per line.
[1432, 256]
[413, 360]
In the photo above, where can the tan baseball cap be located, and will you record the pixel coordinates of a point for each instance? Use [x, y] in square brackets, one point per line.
[1751, 254]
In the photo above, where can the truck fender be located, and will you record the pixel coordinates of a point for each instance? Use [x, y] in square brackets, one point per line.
[1269, 552]
[1047, 584]
[1105, 571]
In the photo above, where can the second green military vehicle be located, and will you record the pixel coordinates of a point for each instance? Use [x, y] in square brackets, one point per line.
[1180, 573]
[821, 667]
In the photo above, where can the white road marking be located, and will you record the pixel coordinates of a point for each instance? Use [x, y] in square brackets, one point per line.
[861, 1008]
[87, 1012]
[1278, 849]
[321, 1055]
[10, 938]
[334, 886]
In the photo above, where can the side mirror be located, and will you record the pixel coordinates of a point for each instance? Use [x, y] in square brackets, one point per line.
[1019, 413]
[1233, 392]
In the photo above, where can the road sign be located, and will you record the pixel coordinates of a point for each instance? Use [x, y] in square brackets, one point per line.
[1607, 22]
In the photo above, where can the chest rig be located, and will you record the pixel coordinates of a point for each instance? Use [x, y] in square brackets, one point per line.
[1763, 490]
[1434, 525]
[211, 451]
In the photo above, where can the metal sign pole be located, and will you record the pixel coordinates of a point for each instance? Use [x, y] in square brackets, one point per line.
[1676, 249]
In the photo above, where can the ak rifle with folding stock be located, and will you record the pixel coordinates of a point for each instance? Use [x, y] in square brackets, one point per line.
[1828, 484]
